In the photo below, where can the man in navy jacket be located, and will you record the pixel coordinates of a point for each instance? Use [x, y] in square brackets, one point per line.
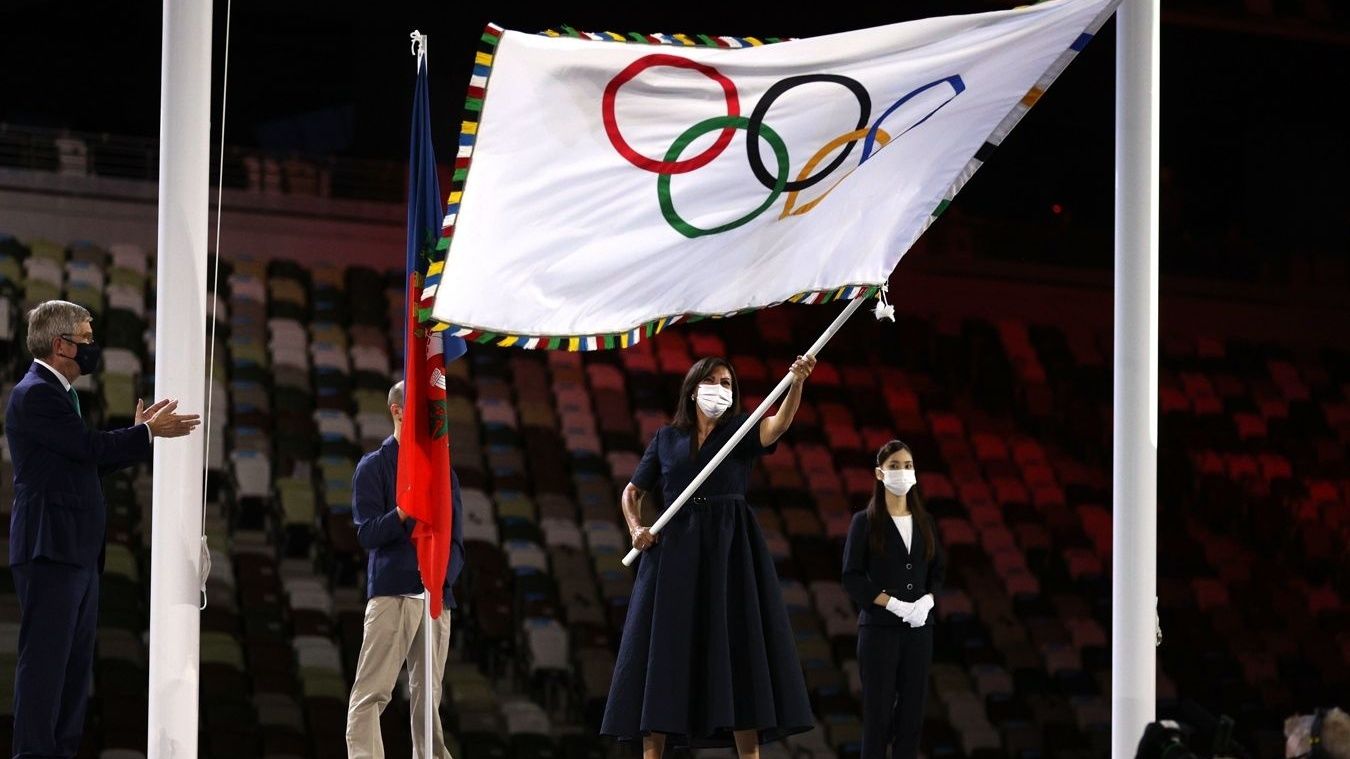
[58, 524]
[394, 612]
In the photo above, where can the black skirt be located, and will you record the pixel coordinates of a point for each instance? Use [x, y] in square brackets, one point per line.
[706, 647]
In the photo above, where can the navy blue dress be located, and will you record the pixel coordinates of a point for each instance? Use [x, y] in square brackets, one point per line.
[706, 648]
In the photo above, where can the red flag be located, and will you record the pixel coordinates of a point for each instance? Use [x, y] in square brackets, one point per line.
[424, 452]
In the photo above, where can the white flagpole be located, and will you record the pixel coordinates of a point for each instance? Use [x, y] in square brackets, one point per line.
[745, 428]
[419, 50]
[1134, 562]
[428, 687]
[180, 372]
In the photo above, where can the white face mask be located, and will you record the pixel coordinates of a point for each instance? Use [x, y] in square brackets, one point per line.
[898, 481]
[714, 400]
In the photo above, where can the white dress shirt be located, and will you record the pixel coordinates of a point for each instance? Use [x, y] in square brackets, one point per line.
[65, 383]
[905, 525]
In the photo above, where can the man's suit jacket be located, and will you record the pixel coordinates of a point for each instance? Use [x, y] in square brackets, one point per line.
[59, 513]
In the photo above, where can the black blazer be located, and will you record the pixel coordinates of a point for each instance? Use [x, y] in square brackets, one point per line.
[899, 573]
[59, 513]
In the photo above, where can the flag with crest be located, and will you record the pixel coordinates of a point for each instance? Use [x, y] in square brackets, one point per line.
[423, 490]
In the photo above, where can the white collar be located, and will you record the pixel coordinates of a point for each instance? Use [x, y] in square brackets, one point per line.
[64, 382]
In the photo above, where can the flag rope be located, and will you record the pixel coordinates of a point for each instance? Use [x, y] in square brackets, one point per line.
[204, 561]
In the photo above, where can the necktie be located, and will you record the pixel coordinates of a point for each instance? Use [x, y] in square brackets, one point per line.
[75, 398]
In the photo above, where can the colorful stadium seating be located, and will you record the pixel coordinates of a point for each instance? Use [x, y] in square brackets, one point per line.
[1009, 423]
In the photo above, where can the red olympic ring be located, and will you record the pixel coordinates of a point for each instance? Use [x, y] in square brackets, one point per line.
[652, 164]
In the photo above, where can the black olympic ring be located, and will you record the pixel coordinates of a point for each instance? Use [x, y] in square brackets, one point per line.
[761, 171]
[873, 138]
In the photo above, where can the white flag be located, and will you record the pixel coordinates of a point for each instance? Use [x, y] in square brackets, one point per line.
[611, 187]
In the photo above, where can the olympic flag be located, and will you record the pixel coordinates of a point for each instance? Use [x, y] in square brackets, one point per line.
[608, 186]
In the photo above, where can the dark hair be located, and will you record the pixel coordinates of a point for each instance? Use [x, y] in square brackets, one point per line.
[686, 415]
[877, 515]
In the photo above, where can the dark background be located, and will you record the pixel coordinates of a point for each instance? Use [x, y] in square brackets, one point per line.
[1249, 148]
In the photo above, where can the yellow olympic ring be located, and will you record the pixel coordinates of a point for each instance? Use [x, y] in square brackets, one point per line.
[882, 139]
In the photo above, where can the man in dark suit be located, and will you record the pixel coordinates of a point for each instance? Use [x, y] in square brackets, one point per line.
[394, 628]
[57, 528]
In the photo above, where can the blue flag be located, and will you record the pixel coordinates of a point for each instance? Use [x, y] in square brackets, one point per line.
[426, 211]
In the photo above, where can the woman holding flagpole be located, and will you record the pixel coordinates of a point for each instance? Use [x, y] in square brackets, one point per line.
[707, 657]
[892, 567]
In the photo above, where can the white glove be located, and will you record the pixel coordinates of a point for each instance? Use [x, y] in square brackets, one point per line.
[918, 616]
[899, 608]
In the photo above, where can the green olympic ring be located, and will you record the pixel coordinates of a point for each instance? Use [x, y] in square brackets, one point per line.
[694, 132]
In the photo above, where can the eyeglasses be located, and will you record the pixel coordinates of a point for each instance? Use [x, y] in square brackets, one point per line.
[67, 337]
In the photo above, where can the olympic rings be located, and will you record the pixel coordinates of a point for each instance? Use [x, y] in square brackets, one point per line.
[848, 139]
[693, 133]
[666, 167]
[873, 138]
[762, 109]
[958, 86]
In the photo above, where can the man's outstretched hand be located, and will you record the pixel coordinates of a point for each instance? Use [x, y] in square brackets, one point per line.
[162, 420]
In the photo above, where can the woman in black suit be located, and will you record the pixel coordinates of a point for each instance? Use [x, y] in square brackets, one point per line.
[892, 567]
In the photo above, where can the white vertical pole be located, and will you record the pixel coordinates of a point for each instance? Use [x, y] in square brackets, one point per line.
[180, 372]
[428, 679]
[1134, 492]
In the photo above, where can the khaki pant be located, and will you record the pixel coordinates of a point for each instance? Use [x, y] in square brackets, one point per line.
[393, 635]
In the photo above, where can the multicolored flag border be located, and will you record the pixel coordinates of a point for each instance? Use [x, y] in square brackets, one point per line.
[473, 108]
